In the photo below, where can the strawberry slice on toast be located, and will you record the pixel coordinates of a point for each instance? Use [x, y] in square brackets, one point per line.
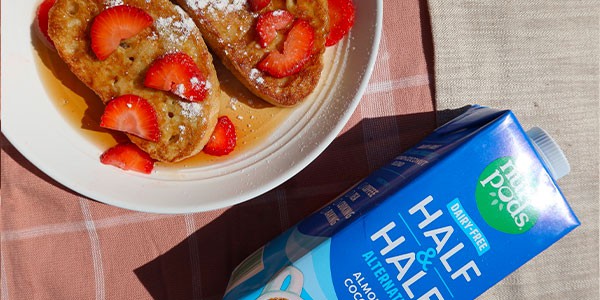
[297, 50]
[256, 5]
[178, 73]
[133, 115]
[115, 24]
[269, 23]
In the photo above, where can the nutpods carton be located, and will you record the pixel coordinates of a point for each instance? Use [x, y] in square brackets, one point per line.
[447, 219]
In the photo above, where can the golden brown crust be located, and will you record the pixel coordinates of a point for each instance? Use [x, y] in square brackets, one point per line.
[228, 28]
[185, 126]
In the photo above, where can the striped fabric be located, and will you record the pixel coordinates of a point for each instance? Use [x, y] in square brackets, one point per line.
[56, 244]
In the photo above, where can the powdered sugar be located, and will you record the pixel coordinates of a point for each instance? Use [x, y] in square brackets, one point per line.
[198, 84]
[175, 30]
[278, 12]
[190, 109]
[232, 103]
[179, 90]
[255, 75]
[226, 6]
[153, 36]
[111, 3]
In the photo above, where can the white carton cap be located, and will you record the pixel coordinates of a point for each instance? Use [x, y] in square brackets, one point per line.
[550, 152]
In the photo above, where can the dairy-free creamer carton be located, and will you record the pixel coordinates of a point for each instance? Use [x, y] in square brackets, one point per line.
[446, 220]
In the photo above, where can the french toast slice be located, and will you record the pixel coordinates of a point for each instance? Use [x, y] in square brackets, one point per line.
[228, 27]
[185, 127]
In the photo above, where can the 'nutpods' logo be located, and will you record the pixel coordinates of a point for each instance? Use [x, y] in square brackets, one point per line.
[502, 197]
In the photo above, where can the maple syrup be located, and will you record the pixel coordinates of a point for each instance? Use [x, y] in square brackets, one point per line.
[76, 102]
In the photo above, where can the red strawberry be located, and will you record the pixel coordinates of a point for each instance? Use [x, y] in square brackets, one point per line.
[115, 24]
[131, 114]
[128, 156]
[42, 20]
[178, 73]
[297, 49]
[341, 19]
[223, 138]
[256, 5]
[268, 23]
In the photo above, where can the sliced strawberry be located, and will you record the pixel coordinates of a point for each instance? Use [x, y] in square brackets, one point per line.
[178, 73]
[131, 114]
[341, 19]
[128, 156]
[297, 50]
[268, 23]
[42, 20]
[115, 24]
[256, 5]
[223, 139]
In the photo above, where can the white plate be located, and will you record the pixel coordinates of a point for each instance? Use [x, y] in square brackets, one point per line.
[38, 129]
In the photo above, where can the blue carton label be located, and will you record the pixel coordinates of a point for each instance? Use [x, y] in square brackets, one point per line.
[447, 219]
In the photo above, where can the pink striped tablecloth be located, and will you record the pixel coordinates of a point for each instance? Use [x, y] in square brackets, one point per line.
[57, 244]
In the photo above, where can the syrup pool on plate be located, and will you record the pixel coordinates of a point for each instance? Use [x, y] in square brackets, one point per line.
[254, 119]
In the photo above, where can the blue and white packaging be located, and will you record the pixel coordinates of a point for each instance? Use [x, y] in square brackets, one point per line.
[447, 219]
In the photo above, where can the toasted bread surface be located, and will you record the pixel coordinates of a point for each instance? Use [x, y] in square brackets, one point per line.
[228, 26]
[185, 126]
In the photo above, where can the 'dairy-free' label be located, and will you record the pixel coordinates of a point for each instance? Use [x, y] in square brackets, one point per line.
[503, 193]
